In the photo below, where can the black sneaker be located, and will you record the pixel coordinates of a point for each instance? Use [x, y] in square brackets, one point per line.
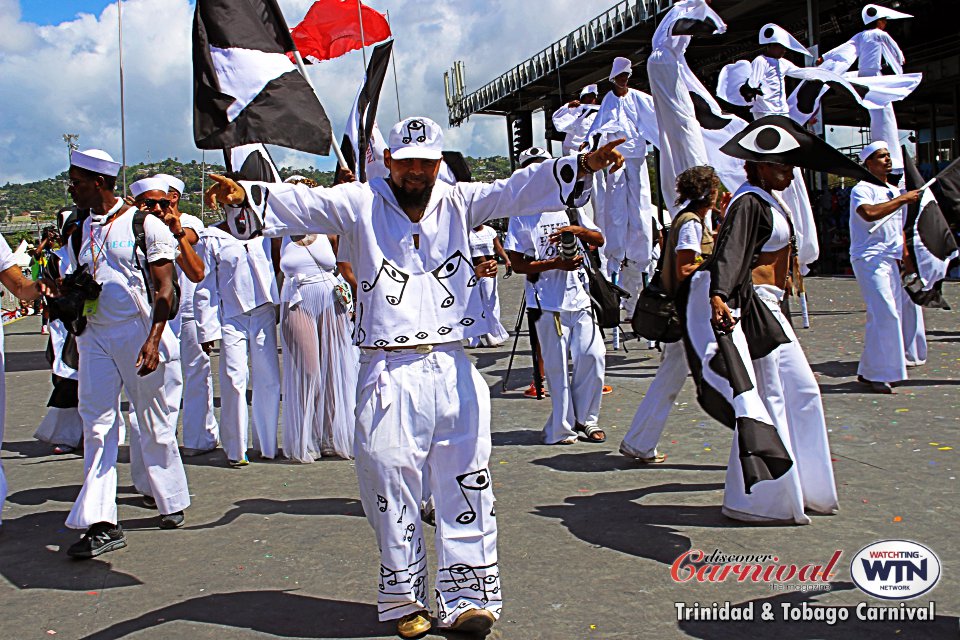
[172, 520]
[99, 538]
[149, 502]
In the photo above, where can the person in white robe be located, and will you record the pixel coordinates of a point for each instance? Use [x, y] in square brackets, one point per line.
[421, 403]
[236, 303]
[11, 277]
[875, 256]
[627, 207]
[126, 344]
[484, 247]
[556, 289]
[575, 118]
[320, 363]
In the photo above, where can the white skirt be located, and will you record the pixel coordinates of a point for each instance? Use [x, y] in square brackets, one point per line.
[320, 366]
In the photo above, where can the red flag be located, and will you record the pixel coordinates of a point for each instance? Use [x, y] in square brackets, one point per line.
[332, 27]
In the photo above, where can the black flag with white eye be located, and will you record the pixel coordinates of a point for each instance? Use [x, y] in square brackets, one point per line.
[779, 139]
[928, 236]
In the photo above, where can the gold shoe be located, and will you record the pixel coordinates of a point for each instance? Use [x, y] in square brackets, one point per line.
[474, 621]
[414, 624]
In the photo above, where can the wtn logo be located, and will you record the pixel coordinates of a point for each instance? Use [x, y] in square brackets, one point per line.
[895, 569]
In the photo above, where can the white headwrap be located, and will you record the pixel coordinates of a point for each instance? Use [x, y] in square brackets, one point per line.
[872, 148]
[621, 65]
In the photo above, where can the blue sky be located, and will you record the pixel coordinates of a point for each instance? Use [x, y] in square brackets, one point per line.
[57, 11]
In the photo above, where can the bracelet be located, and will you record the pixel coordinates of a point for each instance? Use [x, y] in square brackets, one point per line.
[582, 163]
[181, 235]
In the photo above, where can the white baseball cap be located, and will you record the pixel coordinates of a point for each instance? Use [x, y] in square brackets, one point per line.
[417, 137]
[95, 160]
[149, 184]
[172, 183]
[871, 149]
[873, 12]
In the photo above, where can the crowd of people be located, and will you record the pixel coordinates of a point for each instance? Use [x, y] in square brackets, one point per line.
[378, 287]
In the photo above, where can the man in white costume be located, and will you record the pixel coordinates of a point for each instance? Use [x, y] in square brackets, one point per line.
[126, 344]
[627, 208]
[556, 289]
[681, 140]
[875, 259]
[13, 279]
[236, 303]
[421, 403]
[200, 430]
[575, 118]
[874, 46]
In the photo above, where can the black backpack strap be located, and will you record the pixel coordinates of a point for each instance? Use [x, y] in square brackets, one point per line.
[76, 238]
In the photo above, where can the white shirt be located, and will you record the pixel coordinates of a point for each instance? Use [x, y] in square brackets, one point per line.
[888, 239]
[481, 242]
[690, 236]
[6, 255]
[188, 286]
[554, 290]
[409, 294]
[632, 117]
[575, 122]
[872, 47]
[239, 278]
[313, 259]
[768, 74]
[109, 253]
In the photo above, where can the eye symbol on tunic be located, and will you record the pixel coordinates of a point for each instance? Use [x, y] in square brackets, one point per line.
[769, 139]
[395, 282]
[451, 267]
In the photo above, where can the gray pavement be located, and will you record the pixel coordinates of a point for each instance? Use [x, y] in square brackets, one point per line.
[587, 537]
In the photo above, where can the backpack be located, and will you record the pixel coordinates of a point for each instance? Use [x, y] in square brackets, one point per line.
[605, 296]
[140, 237]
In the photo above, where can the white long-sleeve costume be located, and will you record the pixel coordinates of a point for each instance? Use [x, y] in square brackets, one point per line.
[236, 304]
[6, 261]
[627, 215]
[575, 122]
[428, 407]
[681, 140]
[873, 47]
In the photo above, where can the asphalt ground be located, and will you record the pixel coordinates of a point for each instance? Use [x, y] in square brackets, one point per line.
[587, 537]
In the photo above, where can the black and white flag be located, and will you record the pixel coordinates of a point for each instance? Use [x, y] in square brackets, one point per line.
[360, 132]
[251, 162]
[928, 236]
[245, 87]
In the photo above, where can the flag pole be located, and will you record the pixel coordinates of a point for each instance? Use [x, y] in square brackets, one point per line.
[333, 141]
[203, 185]
[393, 61]
[363, 40]
[123, 125]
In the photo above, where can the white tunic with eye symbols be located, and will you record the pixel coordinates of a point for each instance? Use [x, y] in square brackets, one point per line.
[407, 294]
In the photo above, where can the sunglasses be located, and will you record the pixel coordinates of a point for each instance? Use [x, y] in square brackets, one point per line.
[150, 203]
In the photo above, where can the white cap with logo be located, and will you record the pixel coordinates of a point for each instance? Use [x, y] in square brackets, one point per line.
[416, 138]
[528, 156]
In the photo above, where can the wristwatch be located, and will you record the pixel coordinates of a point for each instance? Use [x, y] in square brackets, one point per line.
[180, 236]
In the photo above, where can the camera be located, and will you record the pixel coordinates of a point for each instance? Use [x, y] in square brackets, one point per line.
[568, 245]
[75, 289]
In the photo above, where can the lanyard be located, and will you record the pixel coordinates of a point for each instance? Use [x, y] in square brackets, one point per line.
[94, 254]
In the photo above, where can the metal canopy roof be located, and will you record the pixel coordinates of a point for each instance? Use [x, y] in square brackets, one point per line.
[929, 41]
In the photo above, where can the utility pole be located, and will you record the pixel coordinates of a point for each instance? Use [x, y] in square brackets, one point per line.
[71, 140]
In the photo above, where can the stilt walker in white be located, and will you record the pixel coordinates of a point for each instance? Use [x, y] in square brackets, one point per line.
[556, 289]
[200, 430]
[875, 256]
[421, 403]
[126, 345]
[236, 303]
[627, 208]
[575, 118]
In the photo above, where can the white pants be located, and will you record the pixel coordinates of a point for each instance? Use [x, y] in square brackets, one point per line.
[651, 416]
[791, 396]
[419, 412]
[884, 354]
[3, 409]
[575, 392]
[913, 329]
[200, 430]
[681, 140]
[491, 310]
[627, 216]
[107, 364]
[256, 331]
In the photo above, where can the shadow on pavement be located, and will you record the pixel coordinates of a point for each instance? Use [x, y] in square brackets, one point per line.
[517, 438]
[41, 495]
[850, 629]
[29, 558]
[645, 531]
[305, 507]
[277, 613]
[15, 361]
[599, 461]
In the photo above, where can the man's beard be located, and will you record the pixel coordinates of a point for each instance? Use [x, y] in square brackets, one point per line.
[412, 200]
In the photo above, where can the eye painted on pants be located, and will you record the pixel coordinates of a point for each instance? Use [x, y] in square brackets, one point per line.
[769, 139]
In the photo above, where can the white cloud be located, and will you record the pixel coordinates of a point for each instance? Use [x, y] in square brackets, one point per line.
[64, 78]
